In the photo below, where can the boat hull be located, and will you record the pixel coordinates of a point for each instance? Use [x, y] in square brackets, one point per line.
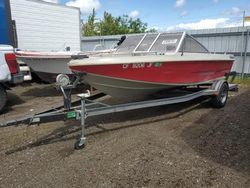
[51, 77]
[47, 65]
[122, 88]
[47, 68]
[142, 79]
[173, 73]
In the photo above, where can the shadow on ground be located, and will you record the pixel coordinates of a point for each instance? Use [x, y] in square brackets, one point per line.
[48, 90]
[223, 135]
[13, 100]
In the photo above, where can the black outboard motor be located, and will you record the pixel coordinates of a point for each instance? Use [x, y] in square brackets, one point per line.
[67, 48]
[121, 40]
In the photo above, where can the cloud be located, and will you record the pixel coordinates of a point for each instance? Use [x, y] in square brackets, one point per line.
[215, 1]
[86, 6]
[180, 3]
[235, 11]
[51, 1]
[206, 24]
[184, 13]
[134, 14]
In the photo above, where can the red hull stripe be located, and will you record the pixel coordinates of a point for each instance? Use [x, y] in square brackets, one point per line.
[168, 72]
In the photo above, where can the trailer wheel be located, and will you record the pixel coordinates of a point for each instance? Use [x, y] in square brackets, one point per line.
[3, 97]
[220, 100]
[79, 144]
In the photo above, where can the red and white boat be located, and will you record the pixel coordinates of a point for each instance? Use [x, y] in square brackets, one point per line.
[145, 64]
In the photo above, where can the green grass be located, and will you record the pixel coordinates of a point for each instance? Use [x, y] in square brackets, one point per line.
[239, 80]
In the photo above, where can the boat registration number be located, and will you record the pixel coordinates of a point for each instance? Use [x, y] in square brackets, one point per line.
[141, 65]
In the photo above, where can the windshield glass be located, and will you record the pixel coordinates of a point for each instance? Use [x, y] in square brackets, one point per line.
[151, 42]
[191, 45]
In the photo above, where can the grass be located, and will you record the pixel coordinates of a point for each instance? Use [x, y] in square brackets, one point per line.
[239, 80]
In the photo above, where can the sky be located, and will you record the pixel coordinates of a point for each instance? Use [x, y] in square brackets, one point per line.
[169, 14]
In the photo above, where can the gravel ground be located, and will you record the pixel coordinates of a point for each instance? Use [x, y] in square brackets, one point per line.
[184, 145]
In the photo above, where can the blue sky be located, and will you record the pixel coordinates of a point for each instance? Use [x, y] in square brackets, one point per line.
[170, 14]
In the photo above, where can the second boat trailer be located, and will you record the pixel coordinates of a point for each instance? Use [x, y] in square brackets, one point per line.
[87, 106]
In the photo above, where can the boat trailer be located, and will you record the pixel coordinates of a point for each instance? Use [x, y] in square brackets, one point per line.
[87, 106]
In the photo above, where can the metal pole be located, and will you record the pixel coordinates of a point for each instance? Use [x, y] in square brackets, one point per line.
[243, 30]
[100, 34]
[82, 139]
[100, 31]
[66, 97]
[244, 12]
[245, 54]
[80, 143]
[67, 101]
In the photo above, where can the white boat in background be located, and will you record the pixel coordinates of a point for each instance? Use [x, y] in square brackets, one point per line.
[47, 65]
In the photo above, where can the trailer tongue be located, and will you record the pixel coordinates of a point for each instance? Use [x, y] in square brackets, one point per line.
[87, 106]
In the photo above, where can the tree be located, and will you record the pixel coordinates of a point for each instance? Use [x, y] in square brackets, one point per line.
[137, 26]
[123, 24]
[152, 30]
[89, 28]
[112, 25]
[109, 25]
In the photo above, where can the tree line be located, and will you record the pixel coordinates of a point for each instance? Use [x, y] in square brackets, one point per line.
[111, 25]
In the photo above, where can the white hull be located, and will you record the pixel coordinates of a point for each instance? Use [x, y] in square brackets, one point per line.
[51, 63]
[130, 89]
[121, 88]
[48, 65]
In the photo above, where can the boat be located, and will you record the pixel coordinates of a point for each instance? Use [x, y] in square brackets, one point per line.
[146, 64]
[47, 65]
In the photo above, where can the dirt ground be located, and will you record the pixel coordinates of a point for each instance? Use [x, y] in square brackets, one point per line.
[184, 145]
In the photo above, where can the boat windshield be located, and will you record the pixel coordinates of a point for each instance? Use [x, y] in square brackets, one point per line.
[130, 43]
[151, 42]
[189, 44]
[161, 43]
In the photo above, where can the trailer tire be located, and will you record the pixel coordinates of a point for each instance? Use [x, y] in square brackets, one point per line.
[220, 100]
[3, 97]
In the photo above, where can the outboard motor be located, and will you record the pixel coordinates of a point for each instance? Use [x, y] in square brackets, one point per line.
[121, 40]
[67, 48]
